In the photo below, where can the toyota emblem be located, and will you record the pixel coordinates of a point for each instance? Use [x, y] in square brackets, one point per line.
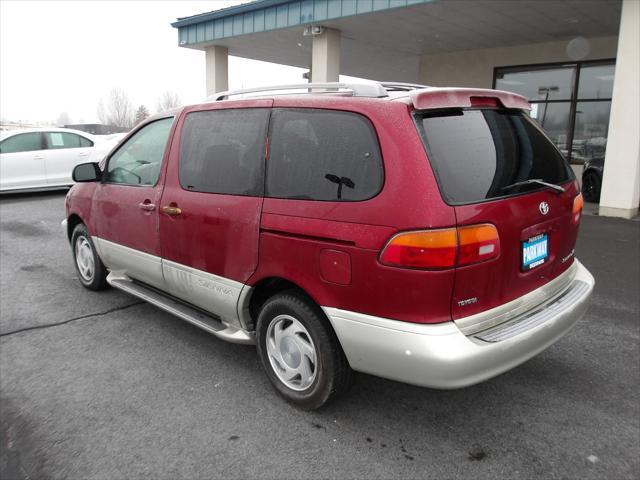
[544, 208]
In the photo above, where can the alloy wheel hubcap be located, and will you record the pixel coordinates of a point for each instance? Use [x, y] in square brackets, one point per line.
[291, 352]
[84, 259]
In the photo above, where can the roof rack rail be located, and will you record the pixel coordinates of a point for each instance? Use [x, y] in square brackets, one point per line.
[401, 87]
[375, 90]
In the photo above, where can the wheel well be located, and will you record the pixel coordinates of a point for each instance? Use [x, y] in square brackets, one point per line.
[72, 222]
[267, 288]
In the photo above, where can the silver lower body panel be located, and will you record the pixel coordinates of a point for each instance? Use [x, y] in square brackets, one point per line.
[442, 356]
[206, 322]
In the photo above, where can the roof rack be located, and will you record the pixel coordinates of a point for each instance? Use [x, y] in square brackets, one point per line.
[375, 90]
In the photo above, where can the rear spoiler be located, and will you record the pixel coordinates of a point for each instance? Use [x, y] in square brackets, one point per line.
[433, 97]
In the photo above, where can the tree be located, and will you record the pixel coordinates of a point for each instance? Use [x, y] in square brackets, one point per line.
[141, 114]
[168, 101]
[63, 119]
[118, 110]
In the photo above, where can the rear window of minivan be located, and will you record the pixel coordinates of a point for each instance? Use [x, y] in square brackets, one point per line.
[479, 154]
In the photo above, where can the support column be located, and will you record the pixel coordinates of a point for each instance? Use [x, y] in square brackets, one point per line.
[621, 180]
[217, 69]
[325, 56]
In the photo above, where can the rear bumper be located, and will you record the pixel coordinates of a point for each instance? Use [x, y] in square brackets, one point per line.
[441, 356]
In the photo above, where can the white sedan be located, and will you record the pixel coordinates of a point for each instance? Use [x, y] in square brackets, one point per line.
[43, 159]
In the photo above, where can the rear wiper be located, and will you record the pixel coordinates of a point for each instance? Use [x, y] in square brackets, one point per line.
[538, 181]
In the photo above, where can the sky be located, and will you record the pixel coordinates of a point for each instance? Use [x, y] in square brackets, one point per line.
[64, 56]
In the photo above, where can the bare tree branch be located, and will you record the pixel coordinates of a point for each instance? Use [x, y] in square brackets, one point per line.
[118, 110]
[168, 101]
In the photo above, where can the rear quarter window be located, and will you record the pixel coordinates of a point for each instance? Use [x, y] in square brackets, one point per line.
[323, 155]
[477, 154]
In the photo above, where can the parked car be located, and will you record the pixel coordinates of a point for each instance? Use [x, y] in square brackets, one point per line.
[592, 179]
[42, 159]
[425, 236]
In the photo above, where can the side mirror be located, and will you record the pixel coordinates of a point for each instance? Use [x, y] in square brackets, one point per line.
[86, 172]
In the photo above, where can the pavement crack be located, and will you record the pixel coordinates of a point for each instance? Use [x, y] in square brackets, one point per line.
[74, 319]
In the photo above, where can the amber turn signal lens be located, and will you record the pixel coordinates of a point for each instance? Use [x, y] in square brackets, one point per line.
[578, 203]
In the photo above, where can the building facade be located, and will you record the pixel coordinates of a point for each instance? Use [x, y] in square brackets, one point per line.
[577, 61]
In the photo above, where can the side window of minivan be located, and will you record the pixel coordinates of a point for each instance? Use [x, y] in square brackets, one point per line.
[222, 151]
[139, 159]
[323, 155]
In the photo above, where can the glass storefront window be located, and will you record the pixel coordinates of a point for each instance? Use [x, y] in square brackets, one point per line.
[590, 132]
[570, 101]
[540, 84]
[596, 82]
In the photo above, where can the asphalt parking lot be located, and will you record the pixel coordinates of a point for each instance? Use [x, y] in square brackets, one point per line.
[99, 385]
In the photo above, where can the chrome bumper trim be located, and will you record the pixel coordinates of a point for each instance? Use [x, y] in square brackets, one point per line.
[515, 308]
[441, 355]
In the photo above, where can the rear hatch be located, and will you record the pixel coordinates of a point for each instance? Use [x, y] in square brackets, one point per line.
[489, 162]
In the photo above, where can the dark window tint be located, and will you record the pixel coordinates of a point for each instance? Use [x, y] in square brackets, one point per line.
[222, 151]
[323, 155]
[139, 159]
[478, 153]
[24, 142]
[66, 140]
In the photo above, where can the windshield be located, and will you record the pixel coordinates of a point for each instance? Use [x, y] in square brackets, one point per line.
[476, 154]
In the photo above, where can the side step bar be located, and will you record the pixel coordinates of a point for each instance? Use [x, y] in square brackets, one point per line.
[180, 310]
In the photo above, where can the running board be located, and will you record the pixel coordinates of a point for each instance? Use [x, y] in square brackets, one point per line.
[180, 310]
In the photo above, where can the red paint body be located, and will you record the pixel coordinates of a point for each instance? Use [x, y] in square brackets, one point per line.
[331, 249]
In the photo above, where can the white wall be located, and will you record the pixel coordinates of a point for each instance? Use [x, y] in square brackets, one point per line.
[621, 181]
[474, 68]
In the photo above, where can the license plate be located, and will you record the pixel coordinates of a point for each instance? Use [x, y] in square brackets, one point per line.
[535, 251]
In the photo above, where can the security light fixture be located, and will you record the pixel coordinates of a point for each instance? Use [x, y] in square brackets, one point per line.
[313, 30]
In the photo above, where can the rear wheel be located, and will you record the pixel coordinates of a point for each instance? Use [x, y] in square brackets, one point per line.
[91, 272]
[591, 187]
[300, 352]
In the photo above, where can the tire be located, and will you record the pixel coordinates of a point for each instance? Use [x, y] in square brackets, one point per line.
[591, 184]
[91, 271]
[300, 351]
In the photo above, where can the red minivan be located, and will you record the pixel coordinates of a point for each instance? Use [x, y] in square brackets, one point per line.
[424, 235]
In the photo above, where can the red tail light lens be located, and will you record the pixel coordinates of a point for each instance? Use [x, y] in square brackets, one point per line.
[578, 203]
[423, 249]
[485, 102]
[442, 248]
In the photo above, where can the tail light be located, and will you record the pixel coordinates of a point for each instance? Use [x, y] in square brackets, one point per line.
[477, 244]
[423, 249]
[578, 203]
[442, 248]
[480, 102]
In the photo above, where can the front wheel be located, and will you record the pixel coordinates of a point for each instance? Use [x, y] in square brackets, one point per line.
[91, 272]
[300, 352]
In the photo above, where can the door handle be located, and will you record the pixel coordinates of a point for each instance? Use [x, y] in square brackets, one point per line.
[148, 206]
[83, 154]
[38, 157]
[172, 210]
